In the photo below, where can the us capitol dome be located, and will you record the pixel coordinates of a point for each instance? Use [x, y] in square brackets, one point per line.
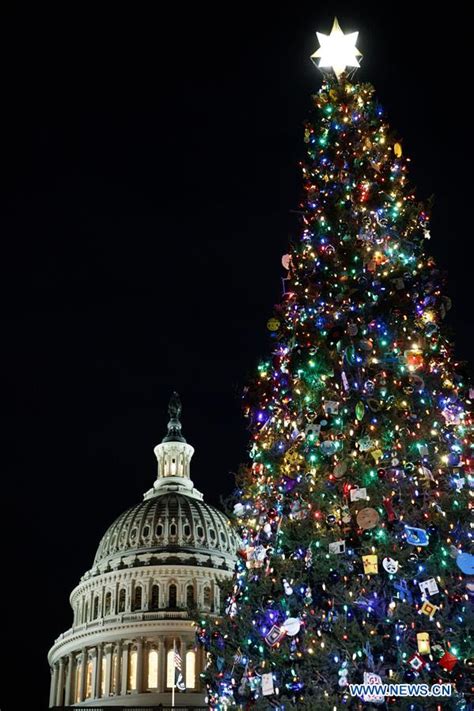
[160, 560]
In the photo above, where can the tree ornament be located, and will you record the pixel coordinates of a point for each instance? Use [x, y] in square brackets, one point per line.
[416, 662]
[416, 536]
[287, 587]
[423, 642]
[390, 565]
[448, 661]
[292, 626]
[428, 609]
[465, 562]
[367, 518]
[360, 411]
[397, 149]
[273, 324]
[370, 564]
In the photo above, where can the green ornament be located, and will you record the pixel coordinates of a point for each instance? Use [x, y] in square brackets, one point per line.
[360, 410]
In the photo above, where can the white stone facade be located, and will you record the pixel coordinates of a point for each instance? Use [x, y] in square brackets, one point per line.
[158, 562]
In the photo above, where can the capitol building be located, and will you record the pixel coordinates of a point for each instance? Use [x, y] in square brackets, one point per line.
[158, 563]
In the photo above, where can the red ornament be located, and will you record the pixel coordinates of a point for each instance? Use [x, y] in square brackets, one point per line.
[448, 661]
[391, 515]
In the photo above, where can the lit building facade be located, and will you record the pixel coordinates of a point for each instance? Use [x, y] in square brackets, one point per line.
[157, 562]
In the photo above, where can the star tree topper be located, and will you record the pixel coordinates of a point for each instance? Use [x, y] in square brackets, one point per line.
[337, 50]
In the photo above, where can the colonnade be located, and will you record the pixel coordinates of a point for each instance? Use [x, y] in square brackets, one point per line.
[125, 667]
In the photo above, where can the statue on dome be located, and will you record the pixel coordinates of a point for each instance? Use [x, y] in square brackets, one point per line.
[174, 407]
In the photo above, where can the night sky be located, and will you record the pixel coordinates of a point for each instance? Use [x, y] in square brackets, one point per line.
[150, 166]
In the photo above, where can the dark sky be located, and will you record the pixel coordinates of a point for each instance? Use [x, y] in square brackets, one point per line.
[150, 168]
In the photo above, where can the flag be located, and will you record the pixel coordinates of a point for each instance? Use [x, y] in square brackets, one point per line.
[178, 671]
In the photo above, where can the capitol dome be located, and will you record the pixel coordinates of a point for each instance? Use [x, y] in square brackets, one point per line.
[160, 560]
[167, 525]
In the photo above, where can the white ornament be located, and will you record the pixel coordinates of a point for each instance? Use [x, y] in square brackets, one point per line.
[390, 565]
[287, 587]
[292, 625]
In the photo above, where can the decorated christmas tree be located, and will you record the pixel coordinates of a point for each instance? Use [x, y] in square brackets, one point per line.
[353, 511]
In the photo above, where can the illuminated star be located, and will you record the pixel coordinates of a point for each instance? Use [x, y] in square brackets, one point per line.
[337, 50]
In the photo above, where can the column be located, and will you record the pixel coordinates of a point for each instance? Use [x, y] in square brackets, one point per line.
[116, 689]
[96, 683]
[161, 665]
[54, 684]
[124, 669]
[60, 683]
[68, 697]
[108, 649]
[139, 665]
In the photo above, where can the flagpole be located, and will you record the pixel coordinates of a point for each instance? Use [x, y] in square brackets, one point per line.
[174, 673]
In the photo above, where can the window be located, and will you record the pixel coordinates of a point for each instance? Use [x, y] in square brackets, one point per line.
[108, 603]
[114, 670]
[146, 531]
[173, 529]
[86, 612]
[222, 534]
[132, 671]
[89, 680]
[159, 530]
[169, 669]
[190, 669]
[155, 597]
[190, 596]
[95, 612]
[122, 598]
[212, 534]
[137, 598]
[102, 675]
[172, 595]
[187, 530]
[152, 669]
[207, 597]
[200, 532]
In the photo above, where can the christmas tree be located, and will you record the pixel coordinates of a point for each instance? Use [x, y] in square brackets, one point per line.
[353, 512]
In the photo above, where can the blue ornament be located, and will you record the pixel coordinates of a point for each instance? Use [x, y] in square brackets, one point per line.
[465, 561]
[416, 536]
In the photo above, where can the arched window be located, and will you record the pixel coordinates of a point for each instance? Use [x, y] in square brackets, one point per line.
[89, 679]
[113, 676]
[173, 529]
[153, 669]
[207, 598]
[86, 612]
[122, 598]
[190, 669]
[146, 531]
[103, 670]
[159, 530]
[190, 596]
[95, 610]
[172, 595]
[132, 670]
[108, 603]
[137, 598]
[155, 597]
[187, 530]
[200, 532]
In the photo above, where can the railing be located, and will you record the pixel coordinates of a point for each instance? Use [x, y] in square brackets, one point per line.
[125, 617]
